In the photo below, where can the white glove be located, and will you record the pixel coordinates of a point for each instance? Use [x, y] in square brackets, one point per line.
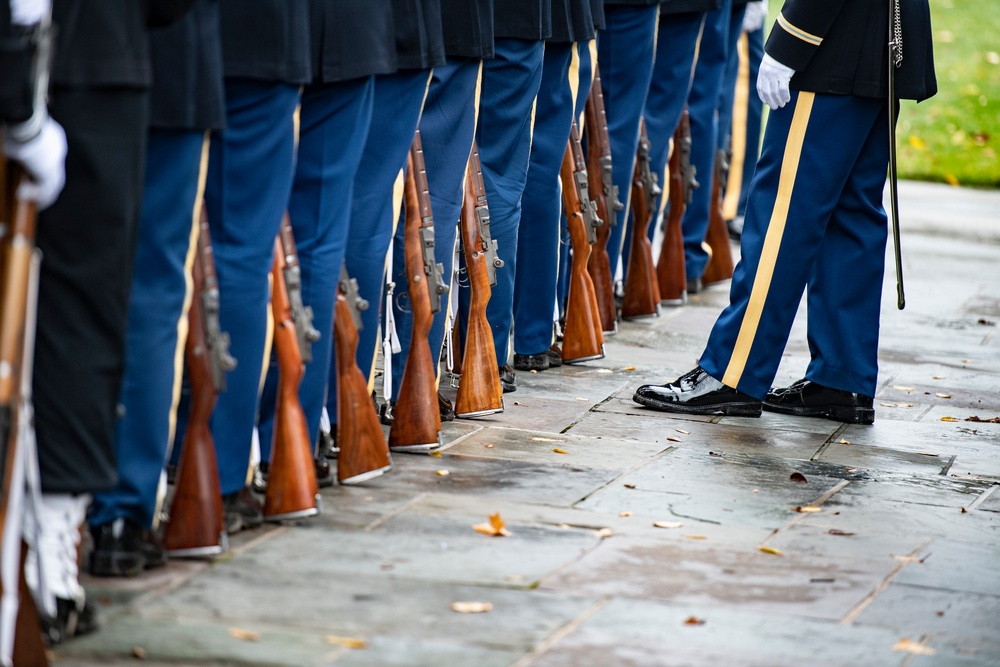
[772, 82]
[44, 158]
[753, 19]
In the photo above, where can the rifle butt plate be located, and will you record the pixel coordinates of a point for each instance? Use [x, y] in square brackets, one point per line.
[479, 413]
[299, 514]
[365, 476]
[613, 330]
[419, 448]
[580, 360]
[644, 316]
[202, 552]
[675, 302]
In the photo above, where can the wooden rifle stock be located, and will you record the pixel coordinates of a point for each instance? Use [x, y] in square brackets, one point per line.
[196, 527]
[583, 333]
[642, 289]
[302, 314]
[720, 265]
[292, 489]
[479, 390]
[363, 451]
[599, 177]
[670, 269]
[417, 423]
[17, 247]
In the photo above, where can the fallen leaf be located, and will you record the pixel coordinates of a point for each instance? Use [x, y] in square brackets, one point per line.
[695, 537]
[442, 473]
[604, 370]
[533, 371]
[625, 514]
[682, 431]
[948, 419]
[669, 524]
[559, 451]
[966, 361]
[629, 486]
[938, 377]
[714, 454]
[674, 438]
[850, 469]
[837, 531]
[435, 454]
[755, 491]
[541, 439]
[899, 388]
[844, 442]
[581, 398]
[917, 143]
[951, 180]
[943, 395]
[488, 446]
[692, 620]
[138, 652]
[798, 477]
[471, 607]
[905, 405]
[495, 527]
[927, 454]
[245, 635]
[908, 559]
[806, 509]
[605, 533]
[346, 642]
[563, 526]
[770, 550]
[629, 368]
[888, 405]
[904, 645]
[965, 511]
[990, 420]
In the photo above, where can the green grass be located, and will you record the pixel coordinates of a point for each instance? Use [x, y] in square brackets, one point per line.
[954, 137]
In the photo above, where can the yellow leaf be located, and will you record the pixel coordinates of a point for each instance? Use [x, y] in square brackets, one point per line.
[669, 524]
[442, 473]
[695, 537]
[581, 398]
[435, 454]
[899, 388]
[605, 533]
[625, 514]
[559, 451]
[245, 635]
[938, 377]
[770, 550]
[682, 431]
[489, 446]
[939, 395]
[540, 439]
[805, 509]
[917, 143]
[948, 419]
[674, 438]
[845, 442]
[629, 368]
[604, 371]
[692, 620]
[905, 405]
[346, 642]
[471, 607]
[888, 405]
[904, 645]
[951, 180]
[138, 652]
[495, 527]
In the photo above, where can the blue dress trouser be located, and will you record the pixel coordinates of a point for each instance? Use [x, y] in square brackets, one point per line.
[447, 128]
[250, 172]
[814, 218]
[676, 43]
[375, 205]
[625, 52]
[703, 102]
[157, 325]
[754, 111]
[541, 206]
[727, 90]
[333, 124]
[509, 86]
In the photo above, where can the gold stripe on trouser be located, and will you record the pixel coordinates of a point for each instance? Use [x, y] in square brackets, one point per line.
[772, 240]
[573, 78]
[397, 206]
[741, 102]
[182, 323]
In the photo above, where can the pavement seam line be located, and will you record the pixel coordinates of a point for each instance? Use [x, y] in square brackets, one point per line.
[800, 518]
[462, 438]
[982, 497]
[851, 616]
[394, 513]
[635, 467]
[829, 441]
[565, 630]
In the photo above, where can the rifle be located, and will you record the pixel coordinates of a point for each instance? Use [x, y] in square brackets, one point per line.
[583, 337]
[479, 390]
[642, 290]
[670, 269]
[417, 423]
[363, 452]
[720, 265]
[20, 638]
[608, 204]
[196, 526]
[292, 490]
[302, 314]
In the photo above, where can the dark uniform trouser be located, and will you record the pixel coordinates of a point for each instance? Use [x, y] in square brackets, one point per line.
[88, 241]
[157, 324]
[814, 217]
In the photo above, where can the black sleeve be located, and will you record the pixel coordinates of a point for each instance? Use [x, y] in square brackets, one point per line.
[165, 12]
[15, 71]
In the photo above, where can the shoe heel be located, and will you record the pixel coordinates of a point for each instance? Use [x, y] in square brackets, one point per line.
[849, 415]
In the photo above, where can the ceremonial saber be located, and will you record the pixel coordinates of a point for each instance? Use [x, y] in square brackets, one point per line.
[895, 59]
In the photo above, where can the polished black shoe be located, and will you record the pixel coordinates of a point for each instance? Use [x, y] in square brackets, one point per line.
[70, 621]
[694, 285]
[532, 362]
[327, 444]
[241, 510]
[735, 228]
[808, 399]
[118, 549]
[324, 471]
[696, 392]
[554, 354]
[508, 381]
[446, 409]
[387, 412]
[153, 550]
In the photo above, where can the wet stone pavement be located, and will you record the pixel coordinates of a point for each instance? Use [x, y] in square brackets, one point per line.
[898, 565]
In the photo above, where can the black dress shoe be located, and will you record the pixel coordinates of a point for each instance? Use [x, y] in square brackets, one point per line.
[324, 472]
[508, 381]
[808, 399]
[71, 620]
[241, 510]
[532, 362]
[696, 392]
[153, 551]
[118, 549]
[554, 354]
[446, 409]
[387, 412]
[694, 285]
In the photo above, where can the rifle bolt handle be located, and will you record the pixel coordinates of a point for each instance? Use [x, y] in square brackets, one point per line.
[362, 304]
[312, 335]
[498, 263]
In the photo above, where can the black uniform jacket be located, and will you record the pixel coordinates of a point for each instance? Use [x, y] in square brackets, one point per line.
[266, 39]
[187, 72]
[468, 28]
[597, 11]
[572, 21]
[634, 2]
[523, 19]
[419, 40]
[109, 40]
[16, 103]
[841, 47]
[687, 6]
[351, 39]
